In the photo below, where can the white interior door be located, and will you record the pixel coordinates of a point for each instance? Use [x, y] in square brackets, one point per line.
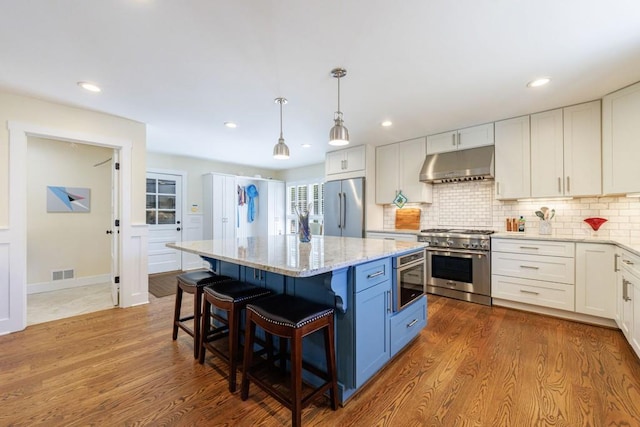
[164, 217]
[115, 230]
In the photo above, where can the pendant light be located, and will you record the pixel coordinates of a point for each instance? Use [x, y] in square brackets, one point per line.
[280, 150]
[339, 135]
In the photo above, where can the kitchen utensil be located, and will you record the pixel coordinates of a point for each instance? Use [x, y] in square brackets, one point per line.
[545, 212]
[553, 213]
[408, 218]
[540, 215]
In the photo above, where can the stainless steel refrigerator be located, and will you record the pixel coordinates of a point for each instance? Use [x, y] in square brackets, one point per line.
[344, 208]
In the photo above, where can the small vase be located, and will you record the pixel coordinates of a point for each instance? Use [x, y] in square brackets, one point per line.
[304, 233]
[545, 227]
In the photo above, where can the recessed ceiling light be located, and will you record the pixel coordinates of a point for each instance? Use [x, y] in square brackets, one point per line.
[539, 82]
[230, 125]
[386, 123]
[306, 145]
[91, 87]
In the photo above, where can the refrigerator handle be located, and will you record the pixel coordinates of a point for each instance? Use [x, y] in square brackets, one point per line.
[344, 211]
[339, 210]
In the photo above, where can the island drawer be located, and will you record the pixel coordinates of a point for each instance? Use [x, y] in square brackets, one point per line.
[546, 294]
[534, 247]
[372, 273]
[407, 324]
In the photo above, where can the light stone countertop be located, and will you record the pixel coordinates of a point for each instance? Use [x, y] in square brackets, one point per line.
[394, 231]
[624, 244]
[284, 254]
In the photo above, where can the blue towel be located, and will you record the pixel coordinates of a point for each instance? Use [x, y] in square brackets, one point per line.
[252, 193]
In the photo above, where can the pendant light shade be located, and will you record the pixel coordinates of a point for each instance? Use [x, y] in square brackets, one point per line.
[280, 150]
[339, 135]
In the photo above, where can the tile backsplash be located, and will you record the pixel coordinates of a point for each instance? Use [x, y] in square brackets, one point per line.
[473, 205]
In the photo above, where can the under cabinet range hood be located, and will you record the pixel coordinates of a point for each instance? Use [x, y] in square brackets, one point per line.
[463, 165]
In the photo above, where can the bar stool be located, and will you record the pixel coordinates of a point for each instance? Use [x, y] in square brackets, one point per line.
[231, 297]
[192, 283]
[293, 318]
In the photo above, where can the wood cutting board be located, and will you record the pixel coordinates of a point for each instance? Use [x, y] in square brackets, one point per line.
[408, 219]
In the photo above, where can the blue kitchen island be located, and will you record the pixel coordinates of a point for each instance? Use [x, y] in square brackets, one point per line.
[354, 275]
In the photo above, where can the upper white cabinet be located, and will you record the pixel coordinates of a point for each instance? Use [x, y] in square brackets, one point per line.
[398, 169]
[621, 141]
[471, 137]
[347, 163]
[512, 158]
[565, 151]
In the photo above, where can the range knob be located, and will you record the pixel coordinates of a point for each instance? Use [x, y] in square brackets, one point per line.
[484, 245]
[474, 245]
[465, 245]
[449, 242]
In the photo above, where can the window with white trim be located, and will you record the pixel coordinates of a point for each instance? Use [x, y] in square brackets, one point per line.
[303, 196]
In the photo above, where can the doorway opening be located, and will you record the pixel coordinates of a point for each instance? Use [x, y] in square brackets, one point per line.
[70, 238]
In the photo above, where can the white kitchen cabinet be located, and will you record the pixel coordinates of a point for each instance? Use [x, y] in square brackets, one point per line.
[398, 169]
[583, 149]
[546, 154]
[630, 298]
[219, 206]
[471, 137]
[565, 151]
[540, 273]
[512, 159]
[621, 141]
[595, 280]
[347, 163]
[276, 207]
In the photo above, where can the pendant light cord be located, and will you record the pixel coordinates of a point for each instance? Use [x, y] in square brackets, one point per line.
[280, 102]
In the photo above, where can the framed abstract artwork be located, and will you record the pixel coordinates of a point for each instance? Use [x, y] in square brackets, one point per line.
[68, 199]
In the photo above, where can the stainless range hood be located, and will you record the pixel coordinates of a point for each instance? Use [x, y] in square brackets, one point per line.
[463, 165]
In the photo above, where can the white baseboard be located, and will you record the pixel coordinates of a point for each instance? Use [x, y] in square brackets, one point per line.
[36, 288]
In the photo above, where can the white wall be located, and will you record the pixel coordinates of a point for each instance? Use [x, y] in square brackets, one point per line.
[196, 167]
[303, 173]
[48, 114]
[63, 240]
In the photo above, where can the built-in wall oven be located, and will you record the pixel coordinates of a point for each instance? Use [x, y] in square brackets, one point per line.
[459, 263]
[410, 278]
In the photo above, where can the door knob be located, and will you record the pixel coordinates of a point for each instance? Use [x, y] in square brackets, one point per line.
[178, 228]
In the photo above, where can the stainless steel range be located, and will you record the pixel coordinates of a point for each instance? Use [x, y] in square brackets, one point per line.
[459, 263]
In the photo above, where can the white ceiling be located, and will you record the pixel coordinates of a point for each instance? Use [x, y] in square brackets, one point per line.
[185, 67]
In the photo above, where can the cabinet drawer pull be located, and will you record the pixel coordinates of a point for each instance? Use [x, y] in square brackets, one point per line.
[529, 292]
[453, 139]
[568, 185]
[626, 261]
[529, 247]
[615, 262]
[413, 322]
[559, 185]
[376, 274]
[530, 267]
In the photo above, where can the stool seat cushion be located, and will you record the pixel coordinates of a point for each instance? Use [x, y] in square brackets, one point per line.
[287, 310]
[201, 278]
[235, 291]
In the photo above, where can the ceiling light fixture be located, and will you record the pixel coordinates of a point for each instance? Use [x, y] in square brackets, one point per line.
[339, 135]
[280, 150]
[91, 87]
[386, 123]
[307, 145]
[230, 125]
[539, 82]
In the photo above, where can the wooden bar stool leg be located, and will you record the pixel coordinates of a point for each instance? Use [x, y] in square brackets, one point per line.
[331, 363]
[197, 313]
[176, 312]
[296, 379]
[204, 329]
[249, 335]
[234, 330]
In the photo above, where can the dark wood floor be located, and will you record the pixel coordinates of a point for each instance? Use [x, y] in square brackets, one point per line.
[471, 366]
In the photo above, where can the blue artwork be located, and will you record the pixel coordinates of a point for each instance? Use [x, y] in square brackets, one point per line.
[68, 199]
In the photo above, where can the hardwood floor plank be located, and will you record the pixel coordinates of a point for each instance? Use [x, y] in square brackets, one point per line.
[472, 366]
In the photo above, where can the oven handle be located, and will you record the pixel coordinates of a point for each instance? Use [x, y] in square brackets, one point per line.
[458, 251]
